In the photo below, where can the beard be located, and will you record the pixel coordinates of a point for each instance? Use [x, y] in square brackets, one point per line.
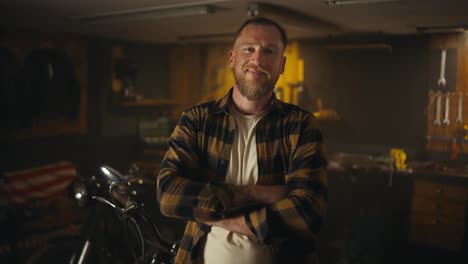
[257, 88]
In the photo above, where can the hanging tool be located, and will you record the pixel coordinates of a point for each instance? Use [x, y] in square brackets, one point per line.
[442, 82]
[460, 108]
[438, 108]
[446, 120]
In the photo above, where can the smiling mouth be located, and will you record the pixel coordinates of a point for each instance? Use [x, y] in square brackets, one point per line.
[257, 72]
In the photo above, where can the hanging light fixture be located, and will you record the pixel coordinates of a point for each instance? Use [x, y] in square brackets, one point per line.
[290, 18]
[356, 2]
[153, 12]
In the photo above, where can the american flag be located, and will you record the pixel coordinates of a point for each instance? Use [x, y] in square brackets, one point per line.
[38, 183]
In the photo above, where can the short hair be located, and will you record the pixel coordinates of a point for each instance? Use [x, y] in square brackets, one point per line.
[265, 22]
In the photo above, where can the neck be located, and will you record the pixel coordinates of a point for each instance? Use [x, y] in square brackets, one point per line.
[248, 107]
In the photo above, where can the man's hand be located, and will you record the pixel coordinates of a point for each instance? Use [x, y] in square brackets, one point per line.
[235, 224]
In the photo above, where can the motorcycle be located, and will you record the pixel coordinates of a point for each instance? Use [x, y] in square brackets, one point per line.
[121, 226]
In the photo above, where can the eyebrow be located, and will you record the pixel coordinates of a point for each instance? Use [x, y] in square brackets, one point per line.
[255, 43]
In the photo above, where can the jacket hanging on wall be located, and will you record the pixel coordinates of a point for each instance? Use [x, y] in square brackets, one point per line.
[48, 85]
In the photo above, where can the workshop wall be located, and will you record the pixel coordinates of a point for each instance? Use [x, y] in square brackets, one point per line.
[110, 131]
[378, 92]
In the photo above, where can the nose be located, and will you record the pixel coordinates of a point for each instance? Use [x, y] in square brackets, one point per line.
[256, 57]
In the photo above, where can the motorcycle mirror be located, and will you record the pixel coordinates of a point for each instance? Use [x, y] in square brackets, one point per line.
[112, 176]
[118, 186]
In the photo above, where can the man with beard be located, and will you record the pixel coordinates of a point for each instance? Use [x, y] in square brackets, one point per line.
[247, 171]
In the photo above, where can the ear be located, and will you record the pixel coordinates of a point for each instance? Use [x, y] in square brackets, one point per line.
[231, 59]
[283, 64]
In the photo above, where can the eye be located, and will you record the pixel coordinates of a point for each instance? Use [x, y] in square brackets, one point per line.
[249, 49]
[269, 51]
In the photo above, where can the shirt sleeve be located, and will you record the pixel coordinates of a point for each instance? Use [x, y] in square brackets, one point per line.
[301, 213]
[183, 190]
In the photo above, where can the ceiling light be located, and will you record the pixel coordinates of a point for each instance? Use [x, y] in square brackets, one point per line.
[356, 2]
[290, 18]
[443, 29]
[150, 13]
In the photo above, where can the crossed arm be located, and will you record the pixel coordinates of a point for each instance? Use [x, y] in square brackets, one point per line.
[256, 211]
[263, 195]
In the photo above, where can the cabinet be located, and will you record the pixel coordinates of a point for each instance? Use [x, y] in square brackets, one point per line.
[367, 215]
[438, 214]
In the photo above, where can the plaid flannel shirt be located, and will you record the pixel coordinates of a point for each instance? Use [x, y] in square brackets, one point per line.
[191, 181]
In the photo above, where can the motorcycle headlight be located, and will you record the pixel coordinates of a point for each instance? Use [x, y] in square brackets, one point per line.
[80, 193]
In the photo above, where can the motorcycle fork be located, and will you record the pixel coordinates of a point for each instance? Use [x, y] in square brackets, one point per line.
[84, 252]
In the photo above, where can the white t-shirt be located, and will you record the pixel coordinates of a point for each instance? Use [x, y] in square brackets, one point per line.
[224, 246]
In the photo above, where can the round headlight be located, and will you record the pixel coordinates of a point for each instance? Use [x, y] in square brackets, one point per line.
[80, 193]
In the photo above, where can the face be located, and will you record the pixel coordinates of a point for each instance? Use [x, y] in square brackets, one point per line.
[257, 60]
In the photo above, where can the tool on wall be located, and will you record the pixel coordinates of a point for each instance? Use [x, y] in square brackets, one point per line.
[446, 120]
[453, 137]
[442, 81]
[445, 127]
[460, 109]
[438, 98]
